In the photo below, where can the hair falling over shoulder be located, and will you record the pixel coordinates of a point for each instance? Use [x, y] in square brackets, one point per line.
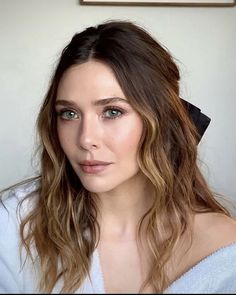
[65, 211]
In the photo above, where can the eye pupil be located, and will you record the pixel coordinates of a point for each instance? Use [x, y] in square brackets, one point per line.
[71, 114]
[67, 114]
[113, 112]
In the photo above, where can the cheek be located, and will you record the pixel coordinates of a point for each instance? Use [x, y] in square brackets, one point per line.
[127, 137]
[66, 138]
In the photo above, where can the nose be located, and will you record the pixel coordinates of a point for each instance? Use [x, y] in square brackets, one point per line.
[89, 133]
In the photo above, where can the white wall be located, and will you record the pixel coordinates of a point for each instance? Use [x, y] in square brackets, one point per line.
[202, 39]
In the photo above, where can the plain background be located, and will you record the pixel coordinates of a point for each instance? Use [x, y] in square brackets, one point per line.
[201, 39]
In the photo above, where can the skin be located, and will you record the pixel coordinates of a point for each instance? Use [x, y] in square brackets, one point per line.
[86, 132]
[91, 134]
[124, 193]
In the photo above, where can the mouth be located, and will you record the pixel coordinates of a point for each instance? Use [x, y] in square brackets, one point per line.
[91, 169]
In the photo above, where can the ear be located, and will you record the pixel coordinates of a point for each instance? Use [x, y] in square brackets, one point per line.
[200, 120]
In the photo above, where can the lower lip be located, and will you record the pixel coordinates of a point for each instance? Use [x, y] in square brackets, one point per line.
[94, 168]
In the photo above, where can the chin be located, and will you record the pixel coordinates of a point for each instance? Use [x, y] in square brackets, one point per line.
[97, 188]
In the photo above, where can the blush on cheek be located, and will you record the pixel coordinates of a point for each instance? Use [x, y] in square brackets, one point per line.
[65, 141]
[66, 132]
[132, 134]
[129, 131]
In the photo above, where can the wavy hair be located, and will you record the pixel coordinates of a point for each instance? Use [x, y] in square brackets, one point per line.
[65, 213]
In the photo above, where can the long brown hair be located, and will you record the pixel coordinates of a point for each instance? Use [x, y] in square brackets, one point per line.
[167, 156]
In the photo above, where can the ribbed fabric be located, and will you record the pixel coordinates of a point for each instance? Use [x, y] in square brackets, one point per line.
[214, 274]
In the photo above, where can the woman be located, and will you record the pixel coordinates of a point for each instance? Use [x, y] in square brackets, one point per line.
[120, 205]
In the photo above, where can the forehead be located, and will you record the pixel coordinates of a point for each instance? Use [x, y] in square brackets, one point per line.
[92, 78]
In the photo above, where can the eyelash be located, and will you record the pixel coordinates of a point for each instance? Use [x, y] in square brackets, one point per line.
[109, 108]
[61, 112]
[114, 108]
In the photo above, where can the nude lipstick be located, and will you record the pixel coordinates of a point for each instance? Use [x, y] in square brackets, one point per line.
[93, 166]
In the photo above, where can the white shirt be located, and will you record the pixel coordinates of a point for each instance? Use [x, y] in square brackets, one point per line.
[214, 274]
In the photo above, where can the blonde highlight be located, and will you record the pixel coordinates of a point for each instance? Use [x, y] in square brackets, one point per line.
[63, 226]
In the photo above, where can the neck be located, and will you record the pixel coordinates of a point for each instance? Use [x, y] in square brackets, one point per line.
[120, 210]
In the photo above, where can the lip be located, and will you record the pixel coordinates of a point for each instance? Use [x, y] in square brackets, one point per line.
[93, 166]
[92, 163]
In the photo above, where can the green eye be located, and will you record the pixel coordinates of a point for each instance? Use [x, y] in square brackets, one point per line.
[67, 115]
[113, 113]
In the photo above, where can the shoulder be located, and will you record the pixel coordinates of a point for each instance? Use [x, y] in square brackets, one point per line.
[13, 197]
[212, 251]
[214, 231]
[17, 192]
[216, 273]
[211, 232]
[13, 279]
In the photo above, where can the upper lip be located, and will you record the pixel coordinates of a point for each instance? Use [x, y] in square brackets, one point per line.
[95, 162]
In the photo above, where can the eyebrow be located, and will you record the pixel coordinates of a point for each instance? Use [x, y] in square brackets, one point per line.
[100, 102]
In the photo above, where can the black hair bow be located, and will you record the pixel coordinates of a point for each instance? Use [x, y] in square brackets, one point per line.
[200, 120]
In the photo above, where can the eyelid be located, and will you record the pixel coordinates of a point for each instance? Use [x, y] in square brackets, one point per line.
[113, 108]
[121, 110]
[65, 108]
[60, 112]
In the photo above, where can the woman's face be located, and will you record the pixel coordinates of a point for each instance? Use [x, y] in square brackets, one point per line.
[97, 123]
